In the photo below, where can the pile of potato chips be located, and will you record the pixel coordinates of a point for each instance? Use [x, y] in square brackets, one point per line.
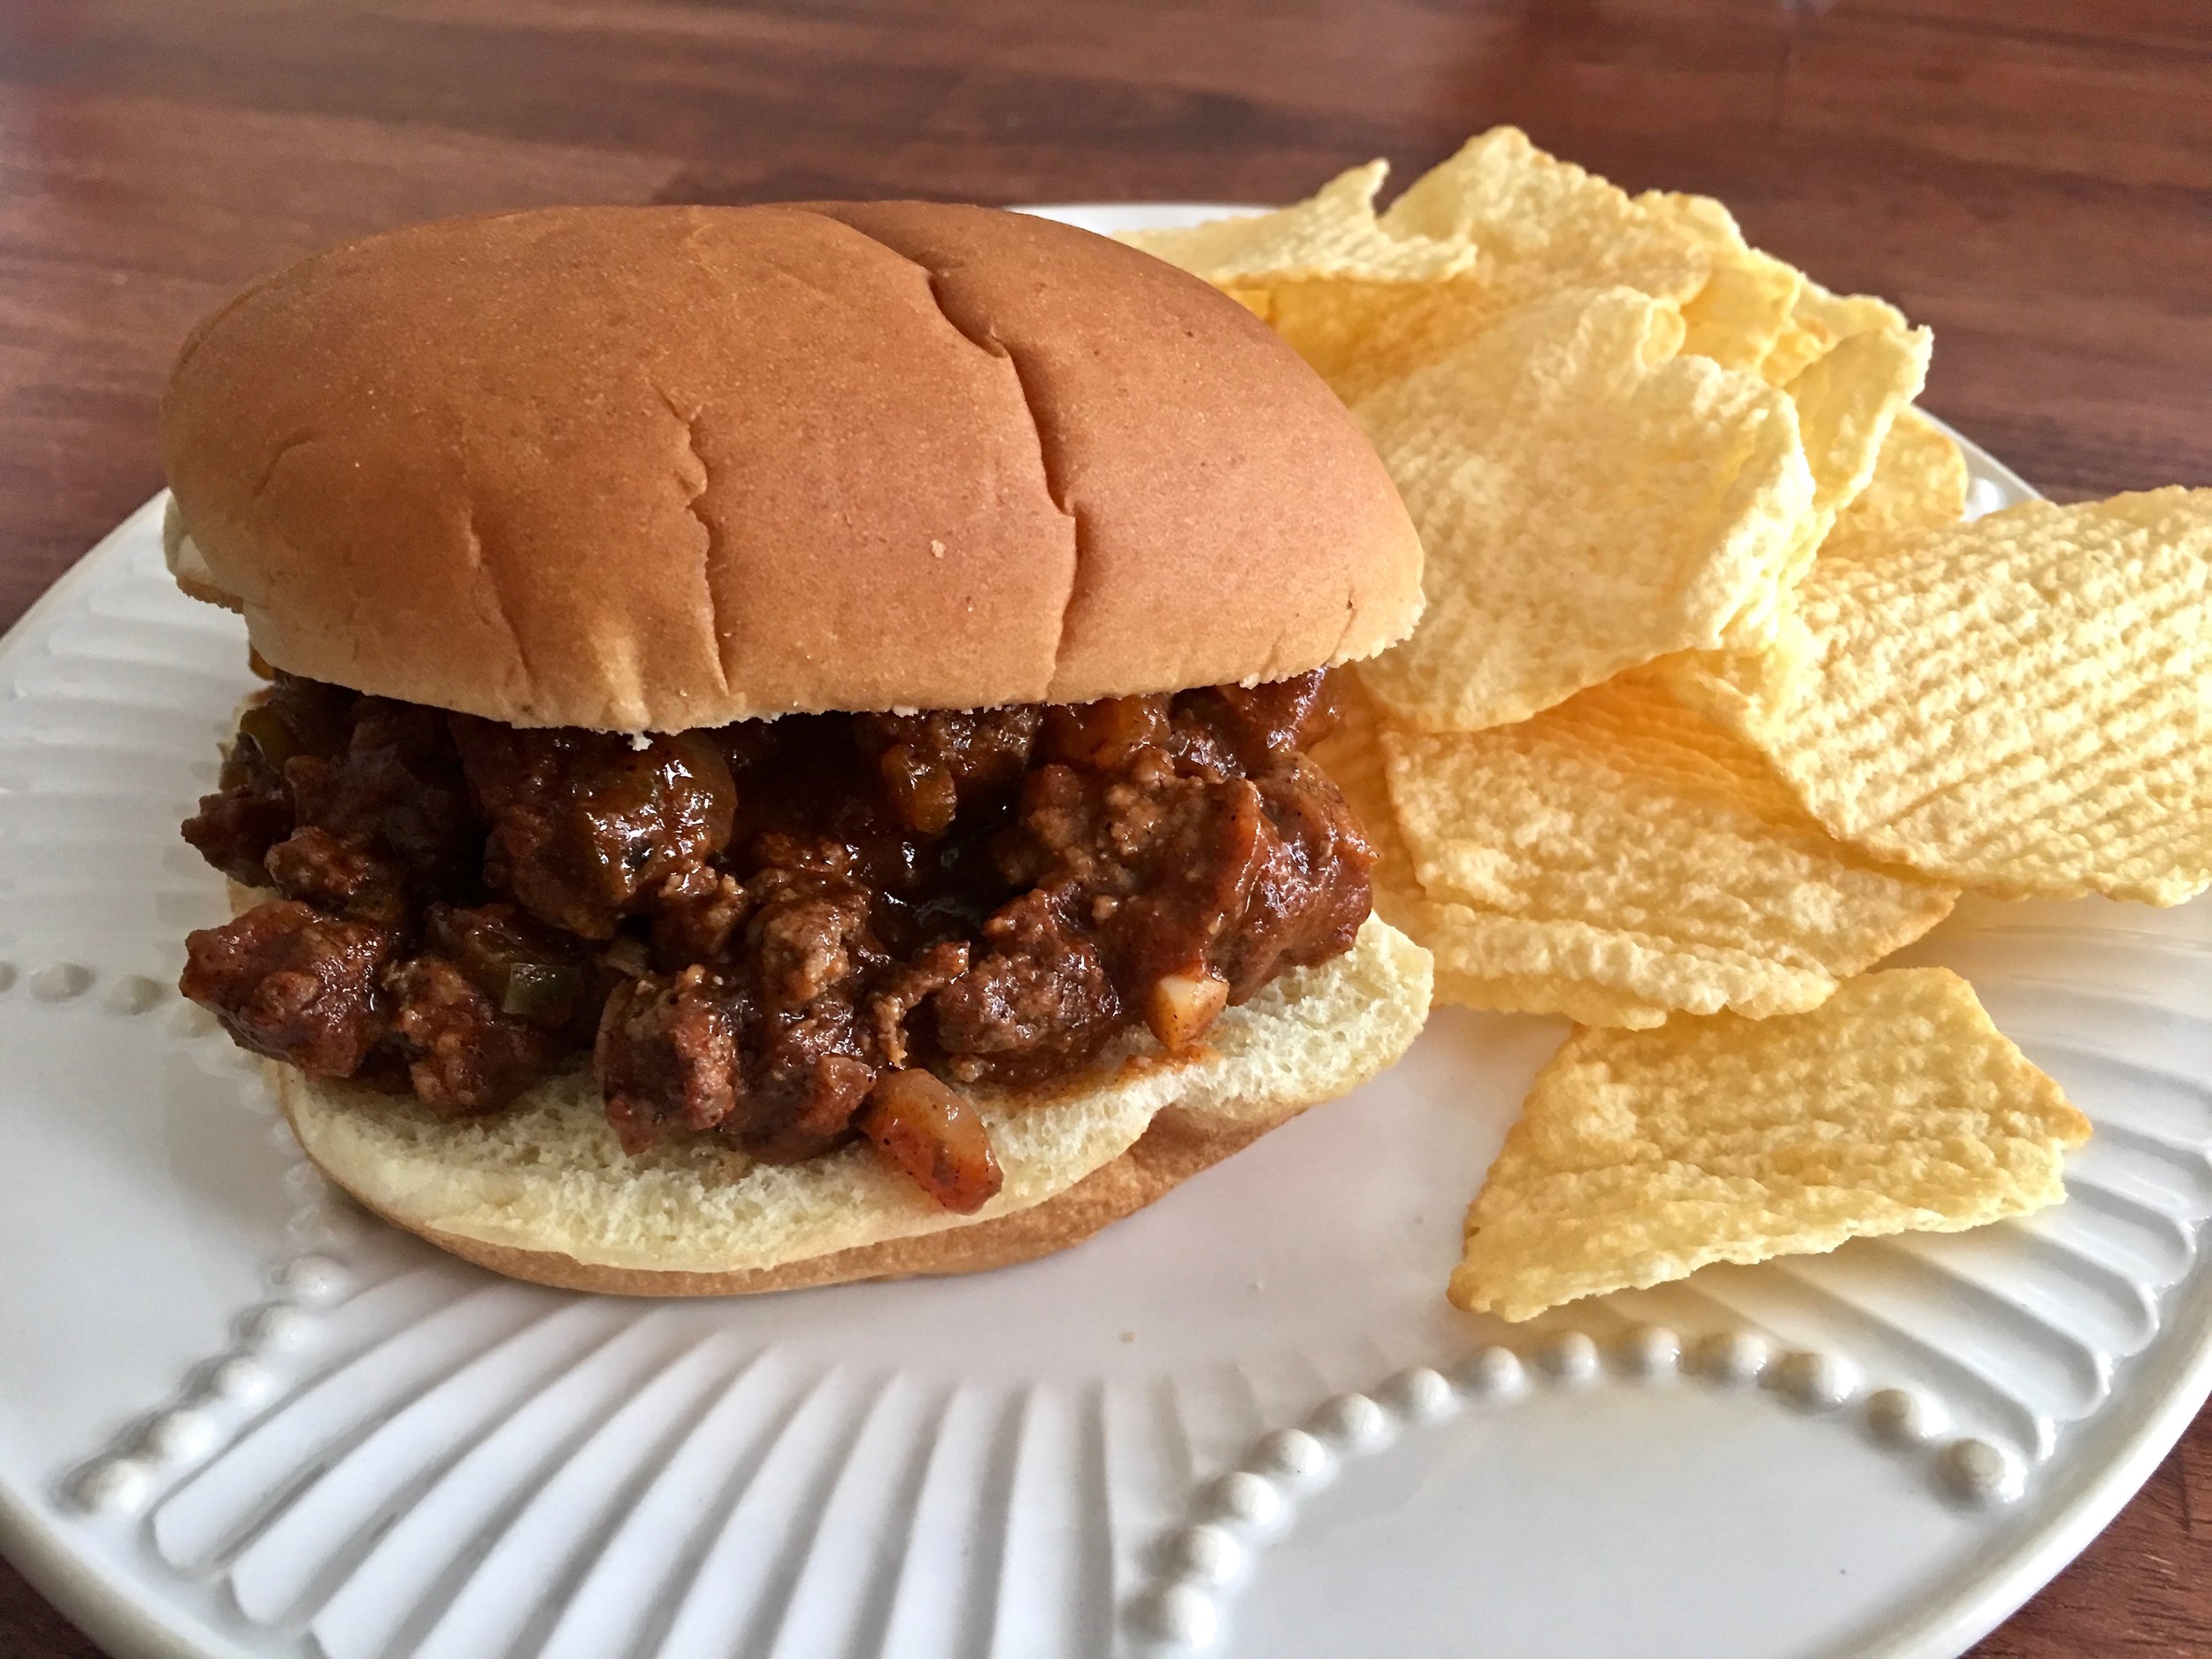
[1716, 703]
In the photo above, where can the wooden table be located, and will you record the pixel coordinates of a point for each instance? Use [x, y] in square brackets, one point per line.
[2033, 177]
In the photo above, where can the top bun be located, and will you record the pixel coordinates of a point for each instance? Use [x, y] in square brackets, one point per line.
[663, 467]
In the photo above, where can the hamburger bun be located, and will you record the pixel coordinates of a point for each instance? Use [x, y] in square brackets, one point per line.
[665, 467]
[543, 1191]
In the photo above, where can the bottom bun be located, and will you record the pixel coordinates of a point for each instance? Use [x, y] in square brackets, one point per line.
[543, 1191]
[1175, 1146]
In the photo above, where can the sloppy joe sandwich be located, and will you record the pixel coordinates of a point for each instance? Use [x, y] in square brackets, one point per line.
[785, 751]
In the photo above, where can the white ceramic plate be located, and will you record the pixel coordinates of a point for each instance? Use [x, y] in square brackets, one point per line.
[238, 1419]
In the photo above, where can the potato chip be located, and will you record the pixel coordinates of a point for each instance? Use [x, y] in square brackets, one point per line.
[1365, 301]
[1475, 967]
[1640, 1157]
[1352, 755]
[1360, 336]
[2021, 705]
[1747, 301]
[1332, 233]
[1834, 317]
[1543, 224]
[1919, 483]
[1588, 501]
[1259, 302]
[1616, 858]
[1738, 689]
[1468, 970]
[1846, 400]
[1795, 347]
[1818, 320]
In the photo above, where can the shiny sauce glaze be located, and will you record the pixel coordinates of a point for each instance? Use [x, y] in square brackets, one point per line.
[782, 933]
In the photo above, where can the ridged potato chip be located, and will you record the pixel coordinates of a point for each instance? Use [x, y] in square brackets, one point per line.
[1352, 755]
[1738, 689]
[1848, 401]
[1332, 233]
[1919, 483]
[1748, 296]
[1588, 501]
[2021, 705]
[1543, 224]
[1359, 336]
[1818, 319]
[1500, 223]
[1617, 858]
[1641, 1157]
[1470, 969]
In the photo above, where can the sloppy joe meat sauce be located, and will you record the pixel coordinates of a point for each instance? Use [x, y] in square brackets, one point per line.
[782, 933]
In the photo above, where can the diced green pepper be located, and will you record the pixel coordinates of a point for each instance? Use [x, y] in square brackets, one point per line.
[543, 993]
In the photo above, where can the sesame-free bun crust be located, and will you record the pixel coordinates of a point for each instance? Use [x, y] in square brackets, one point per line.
[543, 1192]
[655, 468]
[1172, 1149]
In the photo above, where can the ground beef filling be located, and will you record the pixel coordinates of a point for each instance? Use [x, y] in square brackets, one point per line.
[783, 934]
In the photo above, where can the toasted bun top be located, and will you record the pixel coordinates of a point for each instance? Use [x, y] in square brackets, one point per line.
[665, 467]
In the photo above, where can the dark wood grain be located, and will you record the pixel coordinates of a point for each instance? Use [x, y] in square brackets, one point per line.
[2034, 178]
